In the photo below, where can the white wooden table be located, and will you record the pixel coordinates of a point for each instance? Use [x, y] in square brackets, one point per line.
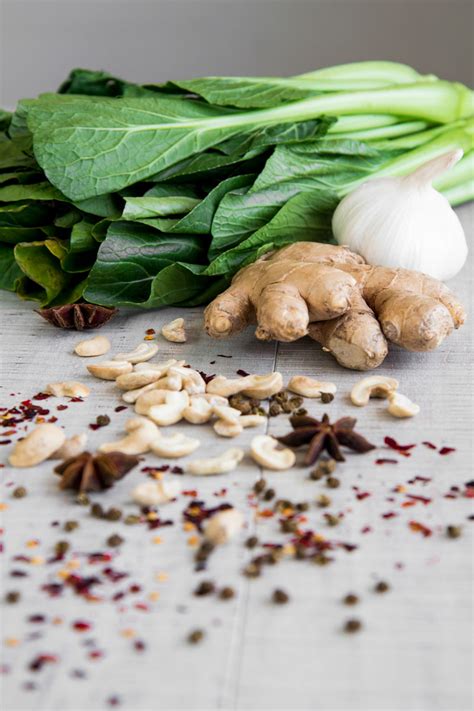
[414, 651]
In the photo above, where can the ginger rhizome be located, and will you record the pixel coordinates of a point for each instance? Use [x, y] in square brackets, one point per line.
[329, 293]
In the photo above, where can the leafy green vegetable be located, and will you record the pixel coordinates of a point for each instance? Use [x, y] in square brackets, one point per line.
[154, 194]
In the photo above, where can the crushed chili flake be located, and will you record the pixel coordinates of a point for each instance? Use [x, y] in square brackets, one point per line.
[389, 514]
[242, 373]
[446, 450]
[421, 479]
[196, 512]
[39, 662]
[430, 445]
[361, 495]
[423, 499]
[206, 377]
[420, 528]
[41, 396]
[189, 492]
[61, 407]
[120, 408]
[81, 626]
[401, 448]
[366, 529]
[384, 460]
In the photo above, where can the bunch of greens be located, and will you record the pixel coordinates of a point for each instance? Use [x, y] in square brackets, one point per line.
[143, 195]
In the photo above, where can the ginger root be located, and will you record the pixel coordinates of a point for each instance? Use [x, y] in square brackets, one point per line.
[329, 293]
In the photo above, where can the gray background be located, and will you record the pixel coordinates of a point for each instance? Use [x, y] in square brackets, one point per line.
[152, 40]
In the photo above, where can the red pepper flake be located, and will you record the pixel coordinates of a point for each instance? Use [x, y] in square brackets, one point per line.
[53, 589]
[53, 419]
[113, 701]
[242, 373]
[41, 396]
[81, 626]
[142, 606]
[424, 499]
[266, 513]
[176, 470]
[393, 444]
[76, 399]
[95, 654]
[150, 332]
[221, 355]
[422, 479]
[386, 461]
[99, 557]
[469, 492]
[62, 407]
[114, 575]
[189, 492]
[152, 470]
[206, 377]
[420, 528]
[139, 645]
[430, 445]
[120, 408]
[38, 662]
[5, 441]
[446, 450]
[407, 504]
[221, 492]
[361, 495]
[389, 514]
[366, 529]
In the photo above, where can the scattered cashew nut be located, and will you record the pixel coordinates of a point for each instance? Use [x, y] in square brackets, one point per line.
[373, 386]
[149, 399]
[141, 433]
[72, 447]
[252, 420]
[37, 446]
[309, 387]
[155, 493]
[226, 413]
[163, 367]
[263, 386]
[137, 379]
[401, 406]
[110, 369]
[140, 354]
[198, 411]
[68, 388]
[223, 526]
[266, 452]
[174, 331]
[193, 382]
[224, 463]
[96, 346]
[171, 410]
[228, 428]
[176, 445]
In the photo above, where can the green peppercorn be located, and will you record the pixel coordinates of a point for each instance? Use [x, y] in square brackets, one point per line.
[326, 398]
[102, 420]
[453, 531]
[333, 482]
[113, 514]
[381, 587]
[206, 587]
[70, 526]
[316, 474]
[274, 409]
[350, 599]
[289, 525]
[252, 570]
[323, 501]
[280, 597]
[82, 499]
[251, 542]
[20, 492]
[12, 597]
[332, 519]
[195, 636]
[226, 593]
[301, 412]
[269, 494]
[302, 506]
[115, 540]
[259, 486]
[327, 466]
[131, 519]
[352, 626]
[97, 511]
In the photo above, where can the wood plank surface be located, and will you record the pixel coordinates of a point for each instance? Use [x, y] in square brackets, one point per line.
[414, 651]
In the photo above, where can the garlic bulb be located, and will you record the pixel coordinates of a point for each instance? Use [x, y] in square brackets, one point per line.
[404, 222]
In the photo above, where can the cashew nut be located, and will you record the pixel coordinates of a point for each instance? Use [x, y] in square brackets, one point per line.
[174, 331]
[141, 433]
[68, 388]
[193, 382]
[96, 346]
[308, 387]
[137, 379]
[252, 420]
[132, 396]
[198, 411]
[373, 386]
[149, 399]
[140, 354]
[257, 386]
[110, 369]
[228, 428]
[224, 463]
[176, 445]
[171, 410]
[37, 446]
[155, 493]
[163, 367]
[223, 526]
[263, 386]
[213, 399]
[72, 447]
[401, 406]
[171, 381]
[265, 451]
[226, 413]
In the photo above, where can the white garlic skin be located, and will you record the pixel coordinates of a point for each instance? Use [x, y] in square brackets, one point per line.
[402, 222]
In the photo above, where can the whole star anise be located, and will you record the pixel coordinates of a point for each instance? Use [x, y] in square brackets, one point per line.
[321, 435]
[78, 316]
[94, 472]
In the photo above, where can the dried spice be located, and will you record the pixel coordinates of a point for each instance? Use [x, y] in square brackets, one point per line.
[12, 597]
[88, 472]
[400, 448]
[350, 599]
[321, 435]
[20, 492]
[70, 526]
[195, 636]
[280, 597]
[206, 587]
[453, 531]
[227, 593]
[251, 542]
[381, 587]
[352, 626]
[101, 421]
[79, 317]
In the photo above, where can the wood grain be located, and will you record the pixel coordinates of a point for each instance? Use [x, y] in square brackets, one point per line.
[414, 652]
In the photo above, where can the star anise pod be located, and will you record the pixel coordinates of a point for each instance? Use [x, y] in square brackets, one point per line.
[78, 316]
[94, 472]
[321, 435]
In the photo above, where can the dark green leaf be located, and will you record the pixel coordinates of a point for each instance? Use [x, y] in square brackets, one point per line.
[10, 272]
